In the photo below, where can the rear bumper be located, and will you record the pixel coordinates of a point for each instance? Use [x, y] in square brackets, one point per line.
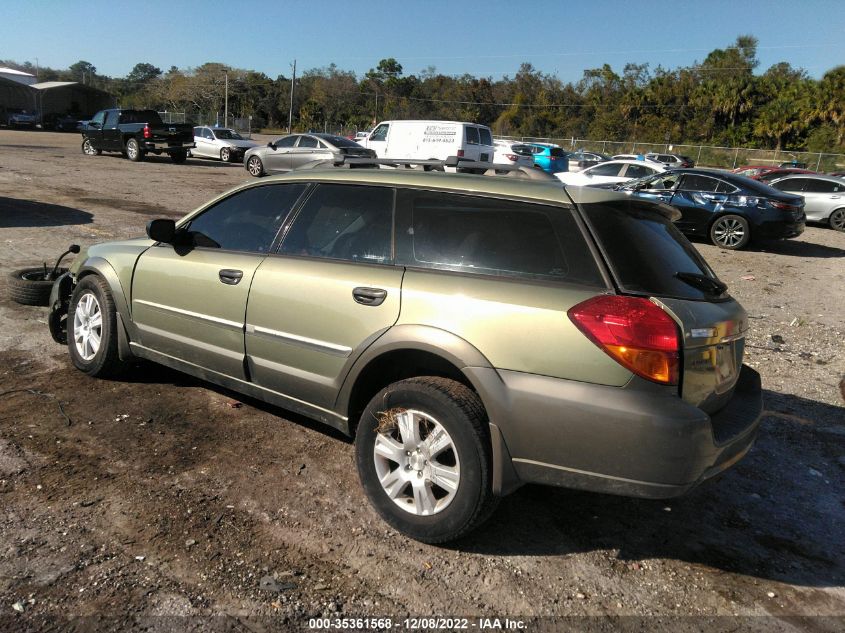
[780, 229]
[640, 440]
[157, 147]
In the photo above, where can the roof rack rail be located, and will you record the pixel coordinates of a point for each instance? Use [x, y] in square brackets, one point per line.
[431, 164]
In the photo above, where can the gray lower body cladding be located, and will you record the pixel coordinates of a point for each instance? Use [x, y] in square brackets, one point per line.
[639, 440]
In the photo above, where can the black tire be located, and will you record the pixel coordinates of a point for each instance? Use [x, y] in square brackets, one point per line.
[134, 151]
[255, 167]
[731, 232]
[225, 154]
[179, 157]
[837, 220]
[105, 362]
[459, 411]
[28, 286]
[88, 148]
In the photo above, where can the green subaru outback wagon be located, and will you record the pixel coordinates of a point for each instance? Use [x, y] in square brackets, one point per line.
[473, 333]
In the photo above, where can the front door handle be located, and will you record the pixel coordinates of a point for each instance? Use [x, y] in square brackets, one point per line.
[369, 296]
[230, 276]
[835, 197]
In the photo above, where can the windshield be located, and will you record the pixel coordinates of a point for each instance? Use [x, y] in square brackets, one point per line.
[228, 134]
[648, 254]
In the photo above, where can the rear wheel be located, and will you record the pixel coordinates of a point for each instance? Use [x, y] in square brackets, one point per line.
[731, 232]
[424, 458]
[225, 154]
[255, 167]
[88, 148]
[92, 329]
[179, 157]
[133, 151]
[837, 220]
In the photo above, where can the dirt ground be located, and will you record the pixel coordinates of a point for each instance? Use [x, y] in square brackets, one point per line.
[155, 504]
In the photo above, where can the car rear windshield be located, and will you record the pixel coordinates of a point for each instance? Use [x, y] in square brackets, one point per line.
[645, 251]
[338, 141]
[556, 151]
[150, 117]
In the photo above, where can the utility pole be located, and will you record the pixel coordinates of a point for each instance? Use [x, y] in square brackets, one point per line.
[226, 103]
[292, 87]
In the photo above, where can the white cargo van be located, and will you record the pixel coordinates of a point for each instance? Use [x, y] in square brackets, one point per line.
[431, 139]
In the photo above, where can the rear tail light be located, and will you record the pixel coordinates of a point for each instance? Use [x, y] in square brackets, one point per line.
[460, 153]
[512, 157]
[634, 332]
[783, 205]
[147, 132]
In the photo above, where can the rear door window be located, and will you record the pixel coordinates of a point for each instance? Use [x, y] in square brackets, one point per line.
[637, 171]
[486, 137]
[489, 236]
[607, 170]
[645, 250]
[816, 185]
[472, 135]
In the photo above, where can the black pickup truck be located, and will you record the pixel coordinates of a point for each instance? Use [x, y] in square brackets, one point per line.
[136, 133]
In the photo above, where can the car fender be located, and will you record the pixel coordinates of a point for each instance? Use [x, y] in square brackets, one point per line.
[467, 358]
[126, 327]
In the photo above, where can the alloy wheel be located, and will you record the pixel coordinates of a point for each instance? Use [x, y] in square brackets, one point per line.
[728, 232]
[254, 166]
[224, 154]
[132, 150]
[416, 462]
[87, 326]
[87, 148]
[837, 220]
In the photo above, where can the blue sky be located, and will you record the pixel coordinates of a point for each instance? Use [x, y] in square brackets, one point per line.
[490, 38]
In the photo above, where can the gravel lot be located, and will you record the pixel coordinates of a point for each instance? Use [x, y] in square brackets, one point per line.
[130, 505]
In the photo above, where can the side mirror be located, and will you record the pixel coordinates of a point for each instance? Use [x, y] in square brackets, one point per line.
[271, 145]
[161, 230]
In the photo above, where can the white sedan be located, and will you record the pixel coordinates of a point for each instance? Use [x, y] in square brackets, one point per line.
[610, 172]
[220, 142]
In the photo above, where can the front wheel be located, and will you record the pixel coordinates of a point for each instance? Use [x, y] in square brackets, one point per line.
[424, 458]
[88, 148]
[731, 232]
[133, 151]
[92, 329]
[255, 167]
[225, 154]
[837, 220]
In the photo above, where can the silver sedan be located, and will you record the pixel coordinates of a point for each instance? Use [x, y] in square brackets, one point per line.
[294, 150]
[824, 197]
[220, 142]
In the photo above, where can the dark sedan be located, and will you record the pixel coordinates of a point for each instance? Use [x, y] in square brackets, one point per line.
[727, 208]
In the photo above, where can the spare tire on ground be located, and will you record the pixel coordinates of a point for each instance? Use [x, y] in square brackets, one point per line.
[30, 287]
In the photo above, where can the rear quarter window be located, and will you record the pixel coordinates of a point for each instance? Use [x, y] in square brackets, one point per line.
[644, 249]
[503, 238]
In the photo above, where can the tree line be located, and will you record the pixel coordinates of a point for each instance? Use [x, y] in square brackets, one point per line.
[722, 100]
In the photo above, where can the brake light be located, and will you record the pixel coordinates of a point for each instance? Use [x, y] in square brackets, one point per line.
[512, 157]
[783, 205]
[634, 332]
[460, 153]
[147, 132]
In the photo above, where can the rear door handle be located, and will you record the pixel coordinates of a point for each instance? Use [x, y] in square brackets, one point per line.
[835, 197]
[369, 296]
[230, 276]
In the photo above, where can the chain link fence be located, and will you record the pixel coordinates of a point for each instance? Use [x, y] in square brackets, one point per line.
[703, 155]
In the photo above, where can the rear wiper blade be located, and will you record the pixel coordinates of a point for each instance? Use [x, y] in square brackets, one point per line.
[703, 282]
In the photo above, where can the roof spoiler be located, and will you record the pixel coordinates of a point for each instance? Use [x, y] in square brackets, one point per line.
[513, 171]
